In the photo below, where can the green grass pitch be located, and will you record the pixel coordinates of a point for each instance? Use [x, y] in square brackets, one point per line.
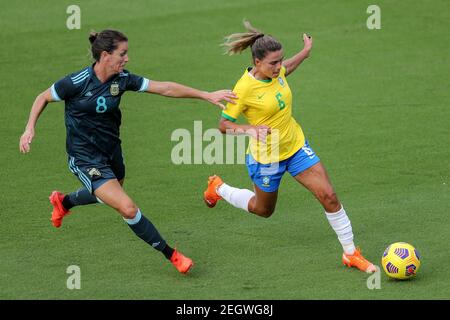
[374, 105]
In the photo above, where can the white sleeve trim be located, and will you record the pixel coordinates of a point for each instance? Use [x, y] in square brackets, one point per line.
[54, 94]
[145, 85]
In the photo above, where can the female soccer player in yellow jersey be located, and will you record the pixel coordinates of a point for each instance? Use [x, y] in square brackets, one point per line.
[277, 142]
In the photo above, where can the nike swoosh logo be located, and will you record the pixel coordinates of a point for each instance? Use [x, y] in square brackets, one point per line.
[259, 97]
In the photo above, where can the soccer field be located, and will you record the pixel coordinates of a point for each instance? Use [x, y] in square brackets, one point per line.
[374, 105]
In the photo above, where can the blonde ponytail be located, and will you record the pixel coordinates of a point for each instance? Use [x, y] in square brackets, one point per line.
[238, 42]
[259, 42]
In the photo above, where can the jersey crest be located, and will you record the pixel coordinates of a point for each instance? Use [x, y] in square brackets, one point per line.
[114, 89]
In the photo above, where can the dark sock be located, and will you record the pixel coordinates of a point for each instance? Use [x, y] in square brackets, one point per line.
[67, 203]
[79, 198]
[168, 251]
[145, 230]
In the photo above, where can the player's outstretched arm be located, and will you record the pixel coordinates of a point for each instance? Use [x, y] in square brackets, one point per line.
[176, 90]
[39, 105]
[292, 63]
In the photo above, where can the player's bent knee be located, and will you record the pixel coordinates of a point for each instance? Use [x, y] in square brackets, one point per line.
[265, 212]
[330, 201]
[128, 210]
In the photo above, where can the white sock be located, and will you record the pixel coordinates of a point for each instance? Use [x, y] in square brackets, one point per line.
[234, 196]
[343, 228]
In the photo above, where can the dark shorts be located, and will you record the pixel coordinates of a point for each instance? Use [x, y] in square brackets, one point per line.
[98, 168]
[268, 176]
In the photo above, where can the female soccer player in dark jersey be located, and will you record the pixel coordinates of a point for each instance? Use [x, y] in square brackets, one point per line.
[92, 118]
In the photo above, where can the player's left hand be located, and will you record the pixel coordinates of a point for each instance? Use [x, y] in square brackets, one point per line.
[217, 97]
[308, 41]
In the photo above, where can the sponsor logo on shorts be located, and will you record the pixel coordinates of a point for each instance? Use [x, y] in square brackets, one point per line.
[94, 172]
[266, 181]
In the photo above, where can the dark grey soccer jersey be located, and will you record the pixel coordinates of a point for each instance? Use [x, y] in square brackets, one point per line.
[92, 113]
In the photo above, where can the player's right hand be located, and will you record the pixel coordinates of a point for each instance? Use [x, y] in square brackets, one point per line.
[25, 140]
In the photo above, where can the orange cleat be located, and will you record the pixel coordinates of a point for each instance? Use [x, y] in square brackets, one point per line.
[59, 211]
[210, 195]
[182, 263]
[358, 261]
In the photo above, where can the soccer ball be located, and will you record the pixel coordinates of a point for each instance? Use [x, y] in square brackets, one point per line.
[400, 261]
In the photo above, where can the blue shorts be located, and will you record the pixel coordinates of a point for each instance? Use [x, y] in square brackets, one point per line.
[98, 168]
[268, 176]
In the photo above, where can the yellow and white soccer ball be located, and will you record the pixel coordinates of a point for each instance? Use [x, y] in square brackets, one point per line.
[401, 261]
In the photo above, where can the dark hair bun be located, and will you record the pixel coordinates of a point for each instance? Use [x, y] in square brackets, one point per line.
[92, 36]
[107, 40]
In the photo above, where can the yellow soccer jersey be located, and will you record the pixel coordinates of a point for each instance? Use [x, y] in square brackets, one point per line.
[267, 103]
